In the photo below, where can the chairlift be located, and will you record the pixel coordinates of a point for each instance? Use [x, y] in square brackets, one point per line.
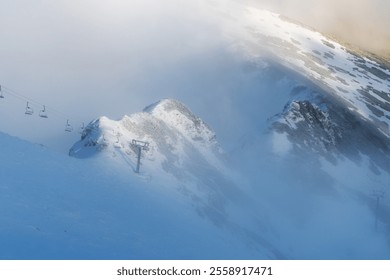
[68, 127]
[29, 110]
[1, 93]
[43, 113]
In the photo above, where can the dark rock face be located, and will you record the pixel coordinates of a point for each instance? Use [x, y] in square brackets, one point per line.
[307, 125]
[333, 132]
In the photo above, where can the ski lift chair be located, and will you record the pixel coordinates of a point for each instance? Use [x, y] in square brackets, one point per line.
[68, 127]
[29, 110]
[1, 93]
[43, 113]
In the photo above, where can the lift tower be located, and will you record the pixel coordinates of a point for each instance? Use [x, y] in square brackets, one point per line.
[140, 146]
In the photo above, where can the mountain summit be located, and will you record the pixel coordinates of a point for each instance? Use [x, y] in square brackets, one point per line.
[174, 135]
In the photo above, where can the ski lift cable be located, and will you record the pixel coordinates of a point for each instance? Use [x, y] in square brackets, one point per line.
[31, 101]
[9, 91]
[46, 109]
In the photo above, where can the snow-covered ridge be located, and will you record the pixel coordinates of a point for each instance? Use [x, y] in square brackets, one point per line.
[176, 115]
[361, 83]
[175, 136]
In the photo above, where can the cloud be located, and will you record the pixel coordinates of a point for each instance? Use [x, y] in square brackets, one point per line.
[363, 23]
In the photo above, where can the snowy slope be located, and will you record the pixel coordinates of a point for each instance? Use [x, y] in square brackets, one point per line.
[183, 156]
[182, 205]
[362, 83]
[268, 39]
[328, 141]
[276, 205]
[56, 207]
[340, 108]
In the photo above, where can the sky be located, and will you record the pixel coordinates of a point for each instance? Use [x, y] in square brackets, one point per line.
[85, 59]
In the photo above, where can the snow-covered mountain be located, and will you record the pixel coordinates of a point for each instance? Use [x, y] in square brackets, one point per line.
[173, 133]
[338, 107]
[361, 83]
[307, 178]
[181, 151]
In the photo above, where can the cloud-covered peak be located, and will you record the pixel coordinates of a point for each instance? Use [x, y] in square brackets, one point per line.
[174, 135]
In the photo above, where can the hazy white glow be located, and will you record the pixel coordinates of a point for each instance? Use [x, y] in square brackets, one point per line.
[364, 23]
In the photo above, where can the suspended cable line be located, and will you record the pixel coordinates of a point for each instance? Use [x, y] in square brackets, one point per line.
[31, 101]
[44, 113]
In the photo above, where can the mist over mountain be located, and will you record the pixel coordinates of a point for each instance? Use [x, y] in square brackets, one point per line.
[362, 25]
[269, 142]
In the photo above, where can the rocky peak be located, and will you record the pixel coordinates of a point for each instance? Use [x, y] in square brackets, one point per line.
[308, 125]
[177, 115]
